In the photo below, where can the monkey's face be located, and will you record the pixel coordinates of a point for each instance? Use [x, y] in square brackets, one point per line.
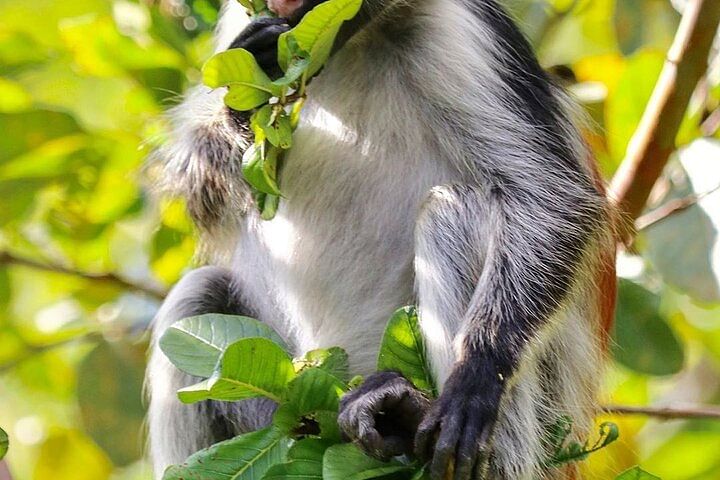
[292, 9]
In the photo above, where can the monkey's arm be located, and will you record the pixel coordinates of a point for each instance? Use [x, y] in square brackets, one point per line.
[535, 236]
[493, 265]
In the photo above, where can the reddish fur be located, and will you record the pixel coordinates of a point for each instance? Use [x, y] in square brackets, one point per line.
[606, 275]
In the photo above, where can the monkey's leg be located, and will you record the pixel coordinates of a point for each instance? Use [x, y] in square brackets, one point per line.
[177, 430]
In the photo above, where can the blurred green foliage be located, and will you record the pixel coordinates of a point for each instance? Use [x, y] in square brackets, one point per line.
[83, 85]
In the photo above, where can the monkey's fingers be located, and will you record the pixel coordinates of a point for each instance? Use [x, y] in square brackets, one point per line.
[253, 28]
[472, 450]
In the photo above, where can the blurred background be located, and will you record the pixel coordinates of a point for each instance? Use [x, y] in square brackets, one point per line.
[86, 253]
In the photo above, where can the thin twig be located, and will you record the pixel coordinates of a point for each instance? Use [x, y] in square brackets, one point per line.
[35, 350]
[670, 208]
[654, 140]
[109, 278]
[667, 413]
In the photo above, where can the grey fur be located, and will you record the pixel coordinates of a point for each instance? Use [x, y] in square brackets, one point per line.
[390, 199]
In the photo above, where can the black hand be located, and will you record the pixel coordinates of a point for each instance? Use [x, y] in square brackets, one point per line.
[261, 38]
[383, 414]
[455, 434]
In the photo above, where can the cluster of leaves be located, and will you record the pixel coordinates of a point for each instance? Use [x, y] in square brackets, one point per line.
[302, 52]
[241, 358]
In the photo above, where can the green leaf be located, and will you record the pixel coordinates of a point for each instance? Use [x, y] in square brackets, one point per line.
[270, 206]
[348, 462]
[643, 341]
[195, 344]
[248, 85]
[314, 395]
[305, 461]
[687, 262]
[333, 360]
[5, 444]
[246, 457]
[259, 164]
[317, 30]
[403, 350]
[111, 405]
[573, 451]
[251, 367]
[636, 473]
[295, 68]
[274, 125]
[244, 98]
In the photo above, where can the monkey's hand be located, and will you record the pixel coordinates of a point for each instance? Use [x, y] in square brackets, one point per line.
[260, 38]
[383, 414]
[455, 433]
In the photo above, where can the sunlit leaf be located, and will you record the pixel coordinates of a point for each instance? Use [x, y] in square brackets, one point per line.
[333, 360]
[246, 457]
[251, 367]
[403, 350]
[317, 30]
[314, 394]
[195, 344]
[636, 473]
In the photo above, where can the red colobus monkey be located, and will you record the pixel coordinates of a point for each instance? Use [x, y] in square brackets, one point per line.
[435, 164]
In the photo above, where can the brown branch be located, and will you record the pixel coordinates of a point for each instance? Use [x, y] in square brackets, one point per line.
[34, 350]
[667, 413]
[109, 278]
[670, 208]
[654, 140]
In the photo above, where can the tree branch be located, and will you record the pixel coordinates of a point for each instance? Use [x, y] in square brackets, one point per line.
[34, 350]
[667, 413]
[654, 140]
[109, 278]
[670, 208]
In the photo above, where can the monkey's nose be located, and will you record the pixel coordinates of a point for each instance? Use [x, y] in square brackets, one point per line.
[284, 8]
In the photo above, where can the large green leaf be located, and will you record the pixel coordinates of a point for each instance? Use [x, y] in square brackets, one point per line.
[111, 404]
[246, 457]
[248, 85]
[305, 461]
[689, 262]
[403, 350]
[333, 360]
[643, 341]
[636, 473]
[313, 396]
[251, 367]
[195, 344]
[5, 443]
[259, 167]
[316, 32]
[348, 462]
